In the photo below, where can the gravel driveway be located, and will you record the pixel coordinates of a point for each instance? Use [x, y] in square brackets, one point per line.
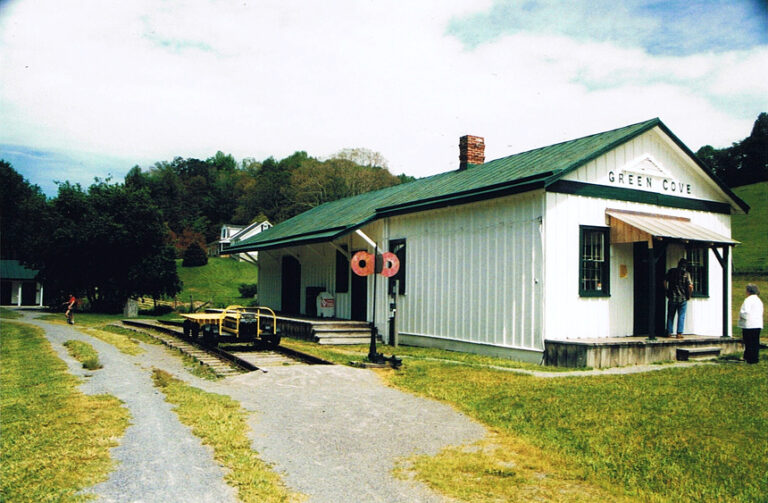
[334, 432]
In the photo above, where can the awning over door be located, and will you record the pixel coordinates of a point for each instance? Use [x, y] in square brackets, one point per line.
[633, 226]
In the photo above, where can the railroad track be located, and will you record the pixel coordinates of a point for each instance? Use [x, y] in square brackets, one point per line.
[228, 360]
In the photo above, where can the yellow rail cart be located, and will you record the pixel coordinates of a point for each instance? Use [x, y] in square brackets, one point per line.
[233, 324]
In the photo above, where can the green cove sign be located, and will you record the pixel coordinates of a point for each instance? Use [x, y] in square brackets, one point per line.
[646, 173]
[649, 182]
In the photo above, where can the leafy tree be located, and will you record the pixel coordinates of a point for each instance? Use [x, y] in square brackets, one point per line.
[744, 162]
[187, 237]
[160, 278]
[203, 195]
[108, 243]
[194, 256]
[362, 157]
[22, 210]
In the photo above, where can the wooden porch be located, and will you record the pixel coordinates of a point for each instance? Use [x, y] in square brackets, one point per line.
[324, 330]
[622, 351]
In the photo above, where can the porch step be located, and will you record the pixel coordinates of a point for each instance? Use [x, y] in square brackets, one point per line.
[345, 332]
[345, 340]
[327, 326]
[342, 335]
[705, 353]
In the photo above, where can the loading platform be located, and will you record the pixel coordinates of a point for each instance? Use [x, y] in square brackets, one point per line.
[622, 351]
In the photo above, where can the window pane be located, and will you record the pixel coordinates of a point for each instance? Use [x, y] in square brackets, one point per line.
[594, 266]
[698, 267]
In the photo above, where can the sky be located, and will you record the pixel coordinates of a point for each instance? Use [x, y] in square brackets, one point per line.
[100, 86]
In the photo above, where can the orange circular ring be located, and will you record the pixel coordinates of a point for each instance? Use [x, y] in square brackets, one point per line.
[362, 263]
[391, 264]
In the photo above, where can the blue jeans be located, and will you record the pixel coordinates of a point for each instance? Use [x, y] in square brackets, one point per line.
[679, 308]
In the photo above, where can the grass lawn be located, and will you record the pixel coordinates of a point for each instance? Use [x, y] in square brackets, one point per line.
[752, 255]
[55, 440]
[679, 434]
[220, 423]
[216, 282]
[738, 294]
[8, 313]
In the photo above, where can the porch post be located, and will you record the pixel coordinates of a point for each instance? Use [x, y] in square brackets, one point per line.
[651, 292]
[726, 288]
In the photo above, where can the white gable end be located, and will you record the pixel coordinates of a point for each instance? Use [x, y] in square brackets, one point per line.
[652, 162]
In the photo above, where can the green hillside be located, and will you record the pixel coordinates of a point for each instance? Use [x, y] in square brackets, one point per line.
[751, 256]
[217, 281]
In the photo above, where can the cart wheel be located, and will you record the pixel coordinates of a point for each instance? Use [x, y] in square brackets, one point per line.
[209, 335]
[273, 340]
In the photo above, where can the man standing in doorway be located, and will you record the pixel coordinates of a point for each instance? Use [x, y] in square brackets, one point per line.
[679, 286]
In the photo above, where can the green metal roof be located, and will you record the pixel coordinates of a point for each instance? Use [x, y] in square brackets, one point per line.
[12, 269]
[521, 172]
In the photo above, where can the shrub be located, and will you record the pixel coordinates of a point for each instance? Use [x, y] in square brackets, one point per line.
[248, 289]
[160, 310]
[194, 256]
[84, 353]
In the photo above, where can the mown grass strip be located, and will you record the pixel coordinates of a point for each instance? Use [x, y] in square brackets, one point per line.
[344, 354]
[9, 313]
[680, 434]
[123, 344]
[55, 440]
[84, 353]
[131, 334]
[220, 422]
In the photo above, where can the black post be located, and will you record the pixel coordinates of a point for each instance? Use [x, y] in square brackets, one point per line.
[651, 293]
[372, 354]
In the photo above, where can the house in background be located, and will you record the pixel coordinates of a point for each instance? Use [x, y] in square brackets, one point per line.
[231, 234]
[19, 285]
[510, 257]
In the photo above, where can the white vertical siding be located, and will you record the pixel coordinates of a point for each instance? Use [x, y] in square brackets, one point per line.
[474, 272]
[269, 279]
[318, 269]
[570, 316]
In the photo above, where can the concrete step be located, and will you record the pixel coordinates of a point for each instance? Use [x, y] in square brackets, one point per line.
[326, 326]
[703, 353]
[344, 340]
[342, 333]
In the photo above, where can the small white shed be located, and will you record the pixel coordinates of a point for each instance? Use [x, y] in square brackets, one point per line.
[19, 285]
[568, 241]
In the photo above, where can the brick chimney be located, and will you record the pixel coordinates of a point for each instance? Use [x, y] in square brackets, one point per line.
[471, 151]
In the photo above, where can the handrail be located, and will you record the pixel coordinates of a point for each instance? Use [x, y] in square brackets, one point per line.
[236, 310]
[258, 319]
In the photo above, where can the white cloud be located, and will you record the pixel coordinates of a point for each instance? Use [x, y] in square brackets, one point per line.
[148, 81]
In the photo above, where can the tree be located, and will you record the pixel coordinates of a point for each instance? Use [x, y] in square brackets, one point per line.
[160, 277]
[744, 162]
[187, 237]
[108, 243]
[22, 209]
[194, 256]
[362, 157]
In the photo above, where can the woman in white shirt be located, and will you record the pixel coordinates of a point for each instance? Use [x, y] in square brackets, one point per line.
[751, 322]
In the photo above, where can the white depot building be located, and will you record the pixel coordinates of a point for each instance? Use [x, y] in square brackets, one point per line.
[569, 241]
